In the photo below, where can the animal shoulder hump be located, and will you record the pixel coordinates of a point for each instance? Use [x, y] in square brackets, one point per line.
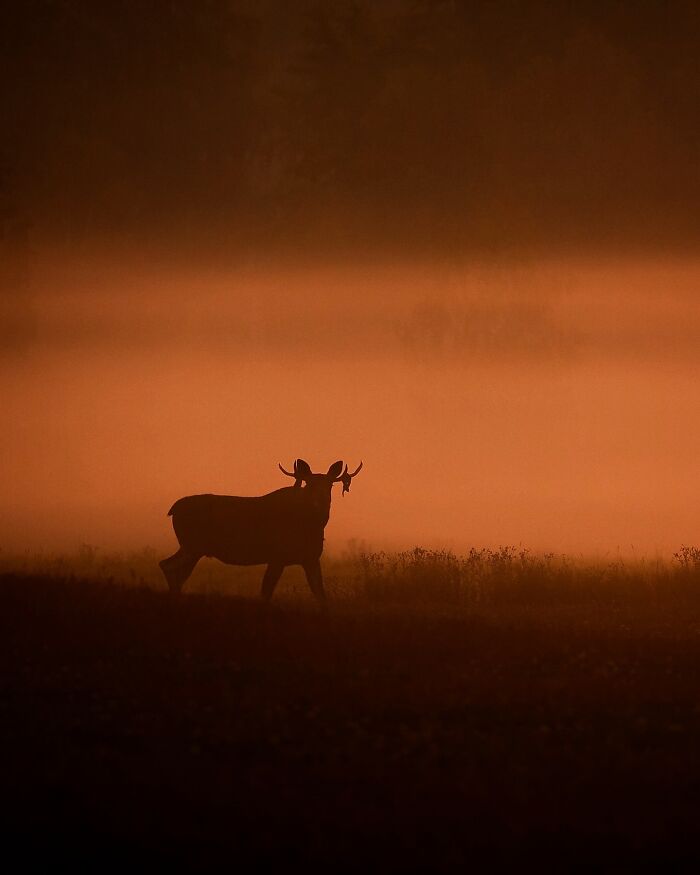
[194, 503]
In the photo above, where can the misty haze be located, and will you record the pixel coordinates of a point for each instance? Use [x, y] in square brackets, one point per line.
[458, 240]
[548, 404]
[252, 251]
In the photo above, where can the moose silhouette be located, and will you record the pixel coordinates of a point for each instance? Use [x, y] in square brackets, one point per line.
[284, 527]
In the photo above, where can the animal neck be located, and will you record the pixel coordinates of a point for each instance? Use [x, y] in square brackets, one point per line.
[319, 501]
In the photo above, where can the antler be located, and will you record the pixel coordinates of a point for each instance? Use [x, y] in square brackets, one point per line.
[296, 475]
[346, 477]
[301, 471]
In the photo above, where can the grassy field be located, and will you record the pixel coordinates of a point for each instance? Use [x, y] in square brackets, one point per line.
[497, 707]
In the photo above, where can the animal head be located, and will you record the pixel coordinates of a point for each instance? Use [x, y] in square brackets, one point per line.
[321, 482]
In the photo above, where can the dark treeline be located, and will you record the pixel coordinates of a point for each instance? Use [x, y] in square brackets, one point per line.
[448, 123]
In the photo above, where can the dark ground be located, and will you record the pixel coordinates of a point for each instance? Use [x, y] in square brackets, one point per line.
[137, 727]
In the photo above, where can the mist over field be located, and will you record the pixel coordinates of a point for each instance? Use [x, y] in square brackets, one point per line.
[551, 404]
[455, 240]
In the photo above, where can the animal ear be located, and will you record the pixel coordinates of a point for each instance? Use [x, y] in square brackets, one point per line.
[302, 468]
[334, 470]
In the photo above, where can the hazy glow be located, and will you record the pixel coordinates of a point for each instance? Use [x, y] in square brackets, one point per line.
[550, 405]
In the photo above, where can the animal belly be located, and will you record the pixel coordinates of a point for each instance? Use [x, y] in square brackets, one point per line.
[258, 546]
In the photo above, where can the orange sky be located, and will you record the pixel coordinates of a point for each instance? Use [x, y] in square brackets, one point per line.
[549, 404]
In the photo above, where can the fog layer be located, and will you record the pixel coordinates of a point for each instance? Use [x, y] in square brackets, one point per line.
[548, 404]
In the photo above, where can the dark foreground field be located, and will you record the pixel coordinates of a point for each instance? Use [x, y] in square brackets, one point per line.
[138, 727]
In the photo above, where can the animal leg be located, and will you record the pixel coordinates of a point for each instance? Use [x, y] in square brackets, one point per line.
[315, 579]
[177, 568]
[273, 572]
